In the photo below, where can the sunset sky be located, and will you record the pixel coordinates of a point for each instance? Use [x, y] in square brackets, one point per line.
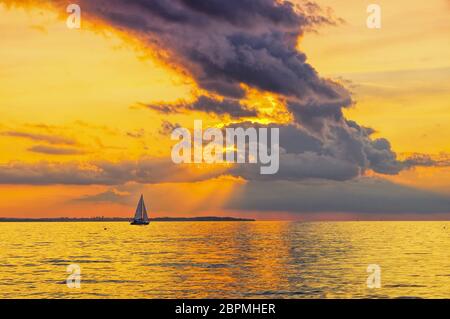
[86, 114]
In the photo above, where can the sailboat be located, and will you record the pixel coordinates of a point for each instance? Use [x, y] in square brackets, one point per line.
[140, 217]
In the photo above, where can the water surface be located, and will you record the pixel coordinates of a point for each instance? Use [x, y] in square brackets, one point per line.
[225, 259]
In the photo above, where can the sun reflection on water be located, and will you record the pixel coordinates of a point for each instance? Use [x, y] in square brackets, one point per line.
[225, 259]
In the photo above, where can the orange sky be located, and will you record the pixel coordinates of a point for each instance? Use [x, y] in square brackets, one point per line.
[84, 87]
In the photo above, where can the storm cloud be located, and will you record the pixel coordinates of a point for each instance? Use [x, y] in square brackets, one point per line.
[345, 152]
[225, 44]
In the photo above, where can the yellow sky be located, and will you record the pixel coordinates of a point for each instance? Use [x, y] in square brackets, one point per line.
[400, 75]
[84, 86]
[413, 35]
[51, 76]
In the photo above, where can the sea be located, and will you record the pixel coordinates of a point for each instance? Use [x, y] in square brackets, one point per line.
[261, 259]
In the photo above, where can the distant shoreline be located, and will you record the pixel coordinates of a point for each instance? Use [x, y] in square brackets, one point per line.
[124, 219]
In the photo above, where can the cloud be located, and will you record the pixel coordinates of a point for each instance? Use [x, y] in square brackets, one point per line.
[228, 106]
[370, 198]
[109, 196]
[45, 173]
[168, 127]
[227, 46]
[51, 139]
[136, 133]
[145, 171]
[224, 44]
[362, 195]
[51, 150]
[307, 183]
[294, 167]
[427, 160]
[343, 152]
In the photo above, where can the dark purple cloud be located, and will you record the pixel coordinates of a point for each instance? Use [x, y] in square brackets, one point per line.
[224, 44]
[343, 152]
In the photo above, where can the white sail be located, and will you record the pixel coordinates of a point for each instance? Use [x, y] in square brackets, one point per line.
[144, 211]
[140, 217]
[138, 214]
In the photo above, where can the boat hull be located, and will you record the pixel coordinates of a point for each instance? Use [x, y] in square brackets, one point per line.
[139, 222]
